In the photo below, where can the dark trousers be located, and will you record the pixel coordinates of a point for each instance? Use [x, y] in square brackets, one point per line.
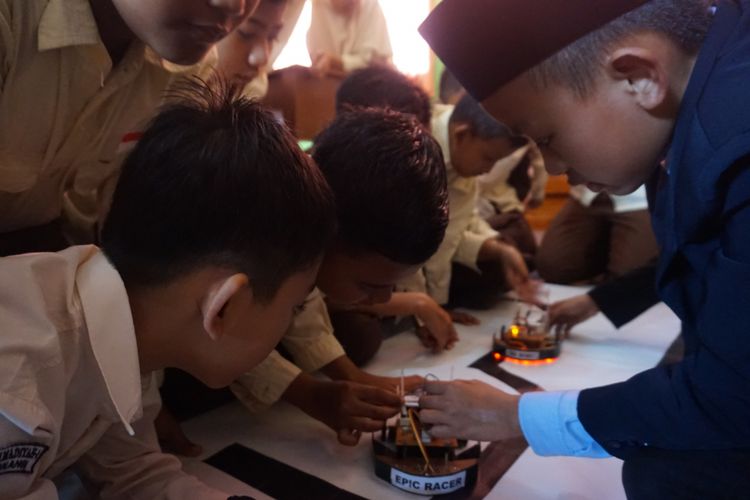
[687, 475]
[477, 290]
[45, 238]
[594, 243]
[358, 333]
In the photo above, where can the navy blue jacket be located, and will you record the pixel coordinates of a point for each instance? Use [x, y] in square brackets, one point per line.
[701, 215]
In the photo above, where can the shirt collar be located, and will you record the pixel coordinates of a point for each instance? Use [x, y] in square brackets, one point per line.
[441, 114]
[66, 23]
[111, 332]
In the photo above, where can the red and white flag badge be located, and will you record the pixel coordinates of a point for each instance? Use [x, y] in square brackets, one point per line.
[128, 142]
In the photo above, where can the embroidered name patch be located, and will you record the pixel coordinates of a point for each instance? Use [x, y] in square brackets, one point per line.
[21, 458]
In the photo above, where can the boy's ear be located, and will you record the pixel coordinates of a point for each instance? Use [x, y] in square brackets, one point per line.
[217, 300]
[644, 74]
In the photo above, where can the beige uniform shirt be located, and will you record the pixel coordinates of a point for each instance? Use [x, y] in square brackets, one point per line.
[466, 231]
[66, 115]
[358, 40]
[71, 391]
[311, 343]
[496, 194]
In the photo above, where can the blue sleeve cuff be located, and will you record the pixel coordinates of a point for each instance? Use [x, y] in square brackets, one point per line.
[550, 424]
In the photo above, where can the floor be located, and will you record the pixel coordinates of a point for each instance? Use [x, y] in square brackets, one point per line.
[263, 454]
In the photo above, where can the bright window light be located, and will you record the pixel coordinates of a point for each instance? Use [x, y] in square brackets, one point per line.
[295, 52]
[411, 55]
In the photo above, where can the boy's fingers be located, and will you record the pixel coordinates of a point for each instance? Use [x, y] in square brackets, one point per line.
[435, 387]
[379, 396]
[363, 409]
[412, 382]
[432, 402]
[428, 416]
[348, 437]
[365, 424]
[442, 431]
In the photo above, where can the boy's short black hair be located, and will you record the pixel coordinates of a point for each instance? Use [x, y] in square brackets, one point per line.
[449, 86]
[388, 178]
[482, 124]
[217, 181]
[685, 22]
[381, 86]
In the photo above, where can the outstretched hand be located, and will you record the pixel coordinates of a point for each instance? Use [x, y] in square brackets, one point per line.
[469, 409]
[564, 315]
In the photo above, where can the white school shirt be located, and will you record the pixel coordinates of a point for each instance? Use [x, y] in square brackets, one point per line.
[358, 40]
[71, 390]
[66, 115]
[311, 343]
[466, 231]
[496, 194]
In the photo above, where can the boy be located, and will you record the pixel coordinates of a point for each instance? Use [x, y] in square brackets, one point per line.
[337, 339]
[381, 86]
[391, 204]
[78, 80]
[515, 183]
[472, 266]
[246, 55]
[345, 35]
[627, 93]
[191, 255]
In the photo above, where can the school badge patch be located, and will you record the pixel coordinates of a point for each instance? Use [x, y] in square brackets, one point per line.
[21, 458]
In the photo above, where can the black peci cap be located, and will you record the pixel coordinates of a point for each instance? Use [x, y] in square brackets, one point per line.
[487, 43]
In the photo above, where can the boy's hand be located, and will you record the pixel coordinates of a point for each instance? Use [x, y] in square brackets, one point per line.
[327, 64]
[436, 331]
[469, 410]
[516, 272]
[463, 318]
[564, 315]
[411, 382]
[349, 408]
[342, 368]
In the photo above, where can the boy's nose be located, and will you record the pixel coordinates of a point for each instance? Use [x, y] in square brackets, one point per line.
[235, 8]
[258, 57]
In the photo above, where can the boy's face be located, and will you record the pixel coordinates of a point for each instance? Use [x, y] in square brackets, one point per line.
[471, 155]
[182, 31]
[254, 329]
[246, 51]
[606, 140]
[360, 279]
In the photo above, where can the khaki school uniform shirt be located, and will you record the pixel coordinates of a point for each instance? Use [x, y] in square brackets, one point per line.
[71, 391]
[358, 40]
[497, 196]
[466, 231]
[66, 115]
[311, 343]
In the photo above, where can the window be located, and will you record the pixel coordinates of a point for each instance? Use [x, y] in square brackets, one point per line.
[411, 55]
